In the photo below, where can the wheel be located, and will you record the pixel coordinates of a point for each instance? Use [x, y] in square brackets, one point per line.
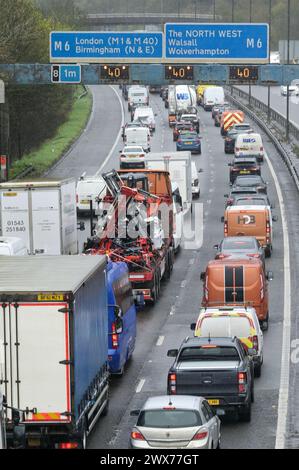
[154, 292]
[268, 251]
[265, 323]
[83, 436]
[245, 414]
[258, 370]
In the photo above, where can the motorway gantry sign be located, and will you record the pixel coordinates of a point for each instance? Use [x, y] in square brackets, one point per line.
[105, 46]
[194, 43]
[220, 43]
[66, 73]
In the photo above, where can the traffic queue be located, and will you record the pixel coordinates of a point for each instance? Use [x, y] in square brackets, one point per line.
[226, 351]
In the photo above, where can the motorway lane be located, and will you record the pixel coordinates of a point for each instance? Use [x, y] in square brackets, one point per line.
[278, 102]
[97, 139]
[169, 320]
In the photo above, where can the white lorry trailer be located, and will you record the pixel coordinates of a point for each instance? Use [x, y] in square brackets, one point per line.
[179, 166]
[54, 332]
[41, 213]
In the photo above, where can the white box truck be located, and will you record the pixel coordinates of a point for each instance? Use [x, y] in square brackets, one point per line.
[179, 166]
[41, 213]
[54, 332]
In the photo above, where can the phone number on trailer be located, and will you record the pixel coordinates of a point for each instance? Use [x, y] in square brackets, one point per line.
[15, 226]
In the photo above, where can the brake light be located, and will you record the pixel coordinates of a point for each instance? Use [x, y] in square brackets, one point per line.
[268, 228]
[200, 436]
[242, 379]
[253, 255]
[68, 445]
[137, 436]
[115, 343]
[172, 383]
[255, 343]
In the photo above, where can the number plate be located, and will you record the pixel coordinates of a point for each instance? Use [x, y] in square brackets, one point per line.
[214, 402]
[85, 201]
[244, 172]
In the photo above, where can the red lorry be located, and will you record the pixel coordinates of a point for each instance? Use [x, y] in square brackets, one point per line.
[138, 197]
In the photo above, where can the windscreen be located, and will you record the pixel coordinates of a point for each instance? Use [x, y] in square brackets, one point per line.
[244, 181]
[247, 244]
[169, 419]
[218, 327]
[250, 202]
[210, 353]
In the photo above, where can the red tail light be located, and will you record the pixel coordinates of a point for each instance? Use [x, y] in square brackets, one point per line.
[137, 436]
[115, 343]
[268, 228]
[253, 255]
[200, 436]
[172, 383]
[68, 445]
[242, 379]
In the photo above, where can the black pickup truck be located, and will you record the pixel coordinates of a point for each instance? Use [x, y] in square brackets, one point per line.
[218, 369]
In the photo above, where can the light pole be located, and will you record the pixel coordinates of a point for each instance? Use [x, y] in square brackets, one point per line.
[214, 11]
[250, 20]
[288, 61]
[270, 30]
[233, 11]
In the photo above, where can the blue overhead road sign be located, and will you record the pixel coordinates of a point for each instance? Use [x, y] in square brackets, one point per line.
[230, 43]
[66, 73]
[105, 46]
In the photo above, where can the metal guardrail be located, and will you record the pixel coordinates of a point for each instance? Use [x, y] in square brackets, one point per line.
[274, 115]
[279, 147]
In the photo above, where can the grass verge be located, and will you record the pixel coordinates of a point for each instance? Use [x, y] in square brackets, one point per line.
[53, 149]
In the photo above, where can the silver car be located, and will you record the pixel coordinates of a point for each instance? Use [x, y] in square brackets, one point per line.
[176, 422]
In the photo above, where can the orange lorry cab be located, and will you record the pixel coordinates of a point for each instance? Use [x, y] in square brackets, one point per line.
[235, 283]
[250, 221]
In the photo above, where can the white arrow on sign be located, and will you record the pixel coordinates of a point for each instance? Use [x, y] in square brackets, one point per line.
[2, 92]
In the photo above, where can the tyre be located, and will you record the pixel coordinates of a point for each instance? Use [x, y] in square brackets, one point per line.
[83, 437]
[258, 370]
[268, 251]
[245, 414]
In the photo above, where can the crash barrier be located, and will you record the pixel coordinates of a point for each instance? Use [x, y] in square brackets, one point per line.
[279, 147]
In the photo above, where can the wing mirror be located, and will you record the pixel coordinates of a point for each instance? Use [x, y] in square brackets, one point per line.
[275, 218]
[222, 220]
[200, 170]
[172, 352]
[269, 276]
[226, 195]
[134, 413]
[202, 276]
[216, 247]
[193, 326]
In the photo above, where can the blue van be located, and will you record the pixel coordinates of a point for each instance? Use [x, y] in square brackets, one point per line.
[121, 317]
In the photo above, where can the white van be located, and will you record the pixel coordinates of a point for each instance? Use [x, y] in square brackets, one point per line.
[185, 97]
[88, 189]
[177, 216]
[195, 181]
[137, 95]
[146, 115]
[212, 97]
[138, 136]
[250, 145]
[12, 246]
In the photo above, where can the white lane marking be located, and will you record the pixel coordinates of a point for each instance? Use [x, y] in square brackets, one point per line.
[209, 201]
[160, 341]
[118, 135]
[140, 386]
[172, 311]
[183, 284]
[286, 343]
[191, 262]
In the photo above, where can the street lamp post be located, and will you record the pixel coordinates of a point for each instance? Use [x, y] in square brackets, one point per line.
[214, 11]
[288, 61]
[269, 88]
[233, 11]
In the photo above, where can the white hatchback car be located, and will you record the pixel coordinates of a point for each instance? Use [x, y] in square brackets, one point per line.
[132, 156]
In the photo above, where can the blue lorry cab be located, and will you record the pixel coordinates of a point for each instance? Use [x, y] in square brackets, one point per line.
[120, 344]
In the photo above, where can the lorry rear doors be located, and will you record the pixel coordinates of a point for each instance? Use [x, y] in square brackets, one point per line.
[36, 360]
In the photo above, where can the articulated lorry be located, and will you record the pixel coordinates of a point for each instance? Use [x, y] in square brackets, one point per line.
[54, 333]
[42, 213]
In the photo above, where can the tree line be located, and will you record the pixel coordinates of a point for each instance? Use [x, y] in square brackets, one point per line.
[35, 112]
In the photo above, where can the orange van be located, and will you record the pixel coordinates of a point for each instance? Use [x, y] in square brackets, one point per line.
[229, 118]
[250, 221]
[237, 282]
